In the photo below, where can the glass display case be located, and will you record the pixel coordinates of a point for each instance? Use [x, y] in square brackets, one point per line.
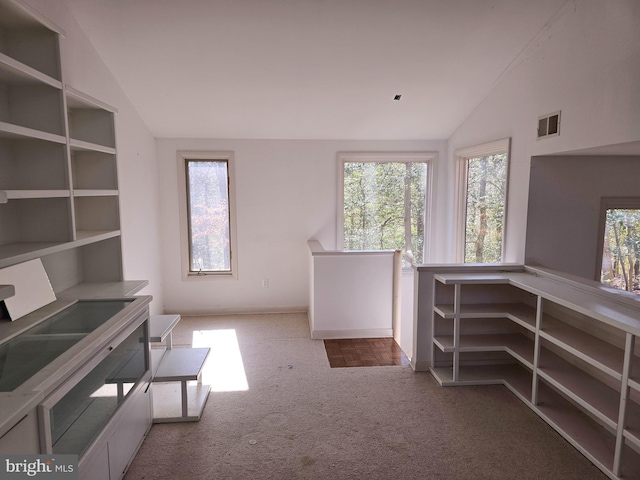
[73, 416]
[26, 354]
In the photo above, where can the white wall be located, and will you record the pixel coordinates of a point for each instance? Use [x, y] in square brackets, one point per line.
[586, 63]
[404, 337]
[563, 224]
[286, 194]
[137, 170]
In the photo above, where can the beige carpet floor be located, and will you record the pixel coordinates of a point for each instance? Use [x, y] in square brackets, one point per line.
[284, 414]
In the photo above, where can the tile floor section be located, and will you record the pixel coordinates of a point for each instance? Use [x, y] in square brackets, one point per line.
[364, 352]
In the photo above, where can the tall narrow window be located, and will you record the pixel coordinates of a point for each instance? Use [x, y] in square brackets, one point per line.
[621, 249]
[483, 173]
[209, 220]
[384, 203]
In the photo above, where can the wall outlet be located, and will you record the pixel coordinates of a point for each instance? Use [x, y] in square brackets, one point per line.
[265, 283]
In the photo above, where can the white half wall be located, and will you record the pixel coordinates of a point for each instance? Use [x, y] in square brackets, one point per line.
[586, 63]
[286, 194]
[353, 295]
[137, 168]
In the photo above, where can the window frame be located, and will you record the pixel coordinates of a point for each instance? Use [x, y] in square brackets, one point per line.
[183, 156]
[608, 203]
[462, 157]
[388, 157]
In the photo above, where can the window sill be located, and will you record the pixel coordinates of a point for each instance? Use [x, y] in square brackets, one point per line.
[209, 276]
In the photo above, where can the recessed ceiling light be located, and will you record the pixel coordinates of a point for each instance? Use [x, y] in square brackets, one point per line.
[397, 97]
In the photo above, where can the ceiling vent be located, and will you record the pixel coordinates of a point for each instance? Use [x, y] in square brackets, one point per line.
[549, 125]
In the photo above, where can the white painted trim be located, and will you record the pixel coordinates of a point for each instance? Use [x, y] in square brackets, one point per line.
[182, 157]
[38, 17]
[88, 100]
[352, 253]
[461, 156]
[357, 333]
[425, 157]
[237, 311]
[607, 203]
[421, 366]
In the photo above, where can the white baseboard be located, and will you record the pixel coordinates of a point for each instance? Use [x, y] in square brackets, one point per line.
[422, 366]
[355, 333]
[185, 312]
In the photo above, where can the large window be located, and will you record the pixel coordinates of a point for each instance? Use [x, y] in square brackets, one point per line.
[384, 203]
[621, 244]
[482, 189]
[209, 216]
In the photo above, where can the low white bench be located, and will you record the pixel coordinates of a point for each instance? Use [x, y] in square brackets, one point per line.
[173, 369]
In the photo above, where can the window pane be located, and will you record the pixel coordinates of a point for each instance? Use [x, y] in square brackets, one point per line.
[486, 187]
[621, 252]
[208, 196]
[384, 206]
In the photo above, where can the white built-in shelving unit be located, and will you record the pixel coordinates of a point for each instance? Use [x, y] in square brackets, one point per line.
[567, 349]
[58, 166]
[59, 202]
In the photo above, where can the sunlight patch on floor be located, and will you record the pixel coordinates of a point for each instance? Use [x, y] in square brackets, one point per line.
[224, 369]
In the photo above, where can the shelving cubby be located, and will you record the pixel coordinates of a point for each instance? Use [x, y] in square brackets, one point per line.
[482, 323]
[602, 346]
[91, 123]
[93, 170]
[91, 261]
[30, 79]
[32, 107]
[30, 225]
[29, 40]
[32, 164]
[569, 376]
[96, 213]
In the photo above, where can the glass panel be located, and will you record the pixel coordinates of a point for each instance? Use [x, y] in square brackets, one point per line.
[26, 354]
[621, 249]
[82, 413]
[22, 358]
[208, 198]
[384, 207]
[486, 189]
[81, 317]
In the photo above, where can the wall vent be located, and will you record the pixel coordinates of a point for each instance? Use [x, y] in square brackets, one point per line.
[549, 125]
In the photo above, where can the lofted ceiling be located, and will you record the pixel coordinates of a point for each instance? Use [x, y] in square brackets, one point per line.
[310, 69]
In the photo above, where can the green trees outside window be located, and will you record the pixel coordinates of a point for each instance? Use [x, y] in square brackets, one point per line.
[384, 207]
[485, 208]
[621, 249]
[208, 216]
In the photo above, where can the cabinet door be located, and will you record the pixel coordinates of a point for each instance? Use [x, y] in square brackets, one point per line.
[22, 438]
[96, 467]
[131, 429]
